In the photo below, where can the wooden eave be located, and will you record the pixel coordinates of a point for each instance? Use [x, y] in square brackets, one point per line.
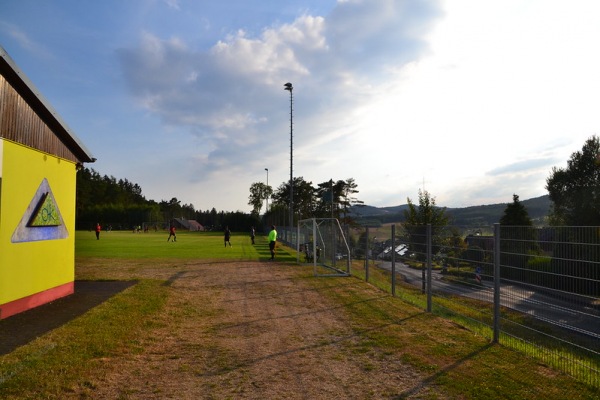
[19, 81]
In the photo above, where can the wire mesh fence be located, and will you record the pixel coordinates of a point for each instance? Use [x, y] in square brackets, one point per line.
[322, 243]
[532, 289]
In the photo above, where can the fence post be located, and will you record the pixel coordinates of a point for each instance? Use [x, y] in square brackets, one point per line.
[496, 282]
[314, 245]
[394, 260]
[298, 243]
[429, 267]
[367, 249]
[424, 268]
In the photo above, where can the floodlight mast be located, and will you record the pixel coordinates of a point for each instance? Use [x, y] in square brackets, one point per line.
[267, 197]
[288, 86]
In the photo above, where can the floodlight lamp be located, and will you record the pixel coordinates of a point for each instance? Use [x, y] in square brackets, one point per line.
[288, 86]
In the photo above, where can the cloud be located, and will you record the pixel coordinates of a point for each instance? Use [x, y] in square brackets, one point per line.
[25, 41]
[173, 4]
[225, 95]
[389, 92]
[369, 35]
[525, 166]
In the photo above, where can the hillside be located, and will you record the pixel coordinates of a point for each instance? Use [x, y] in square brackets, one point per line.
[538, 209]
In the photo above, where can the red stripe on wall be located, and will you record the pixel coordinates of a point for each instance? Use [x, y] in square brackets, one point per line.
[36, 300]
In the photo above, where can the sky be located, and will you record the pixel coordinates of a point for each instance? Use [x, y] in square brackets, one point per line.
[470, 100]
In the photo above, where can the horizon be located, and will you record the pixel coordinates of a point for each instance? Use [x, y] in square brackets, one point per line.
[467, 206]
[355, 205]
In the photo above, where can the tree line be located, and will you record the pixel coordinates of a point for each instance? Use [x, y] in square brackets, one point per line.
[120, 204]
[329, 199]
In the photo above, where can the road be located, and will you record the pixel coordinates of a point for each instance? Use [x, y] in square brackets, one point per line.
[571, 314]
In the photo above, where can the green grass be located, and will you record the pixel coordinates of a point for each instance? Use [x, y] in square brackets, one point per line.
[519, 332]
[67, 360]
[189, 245]
[465, 365]
[67, 357]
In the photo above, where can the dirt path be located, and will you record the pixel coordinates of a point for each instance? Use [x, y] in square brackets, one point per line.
[254, 331]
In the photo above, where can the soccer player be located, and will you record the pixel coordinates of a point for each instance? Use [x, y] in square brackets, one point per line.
[172, 233]
[227, 236]
[272, 241]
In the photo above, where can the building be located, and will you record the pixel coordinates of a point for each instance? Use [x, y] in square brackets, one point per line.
[188, 224]
[39, 159]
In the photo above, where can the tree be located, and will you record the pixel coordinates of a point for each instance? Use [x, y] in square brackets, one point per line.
[416, 220]
[334, 199]
[347, 199]
[327, 199]
[170, 209]
[515, 214]
[455, 246]
[259, 192]
[426, 213]
[106, 199]
[327, 196]
[518, 239]
[575, 195]
[575, 190]
[109, 200]
[304, 197]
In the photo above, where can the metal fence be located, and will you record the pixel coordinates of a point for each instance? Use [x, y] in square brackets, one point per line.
[532, 289]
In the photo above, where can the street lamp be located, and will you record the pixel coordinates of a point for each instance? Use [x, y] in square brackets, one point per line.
[288, 86]
[267, 208]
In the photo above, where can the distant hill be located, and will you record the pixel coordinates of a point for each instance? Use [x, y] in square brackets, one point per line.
[370, 211]
[538, 209]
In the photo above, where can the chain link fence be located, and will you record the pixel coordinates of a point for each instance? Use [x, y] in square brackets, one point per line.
[532, 289]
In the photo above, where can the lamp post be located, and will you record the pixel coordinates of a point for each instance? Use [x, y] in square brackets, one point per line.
[288, 86]
[267, 208]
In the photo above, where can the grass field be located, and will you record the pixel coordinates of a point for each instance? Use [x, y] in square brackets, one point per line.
[189, 245]
[439, 359]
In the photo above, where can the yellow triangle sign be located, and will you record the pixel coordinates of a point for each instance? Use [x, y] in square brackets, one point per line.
[42, 219]
[46, 213]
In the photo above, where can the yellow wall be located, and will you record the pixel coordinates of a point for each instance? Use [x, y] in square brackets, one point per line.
[28, 268]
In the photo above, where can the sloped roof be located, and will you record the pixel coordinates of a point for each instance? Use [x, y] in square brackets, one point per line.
[189, 224]
[26, 89]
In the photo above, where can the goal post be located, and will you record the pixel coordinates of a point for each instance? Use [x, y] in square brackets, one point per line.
[322, 243]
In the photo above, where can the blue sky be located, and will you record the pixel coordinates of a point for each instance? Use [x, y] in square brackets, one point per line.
[473, 100]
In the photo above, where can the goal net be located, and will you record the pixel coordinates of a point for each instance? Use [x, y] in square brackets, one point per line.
[322, 243]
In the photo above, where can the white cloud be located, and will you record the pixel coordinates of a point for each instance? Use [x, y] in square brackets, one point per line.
[173, 4]
[24, 40]
[382, 97]
[238, 83]
[476, 100]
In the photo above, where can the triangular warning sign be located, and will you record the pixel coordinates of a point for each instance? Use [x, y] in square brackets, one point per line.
[42, 219]
[46, 212]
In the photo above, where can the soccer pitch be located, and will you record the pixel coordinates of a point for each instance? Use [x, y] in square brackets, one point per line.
[189, 245]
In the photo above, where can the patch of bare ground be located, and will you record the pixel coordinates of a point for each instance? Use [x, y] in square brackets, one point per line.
[254, 331]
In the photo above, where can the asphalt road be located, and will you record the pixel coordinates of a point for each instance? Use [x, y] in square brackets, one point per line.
[574, 313]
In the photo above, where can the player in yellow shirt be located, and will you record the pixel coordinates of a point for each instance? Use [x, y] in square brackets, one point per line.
[272, 241]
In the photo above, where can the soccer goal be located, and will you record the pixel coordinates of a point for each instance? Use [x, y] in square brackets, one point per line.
[322, 243]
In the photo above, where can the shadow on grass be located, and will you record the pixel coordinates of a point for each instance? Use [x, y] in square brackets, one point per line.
[431, 380]
[20, 329]
[282, 253]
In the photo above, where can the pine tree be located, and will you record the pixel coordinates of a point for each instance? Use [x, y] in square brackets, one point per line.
[515, 214]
